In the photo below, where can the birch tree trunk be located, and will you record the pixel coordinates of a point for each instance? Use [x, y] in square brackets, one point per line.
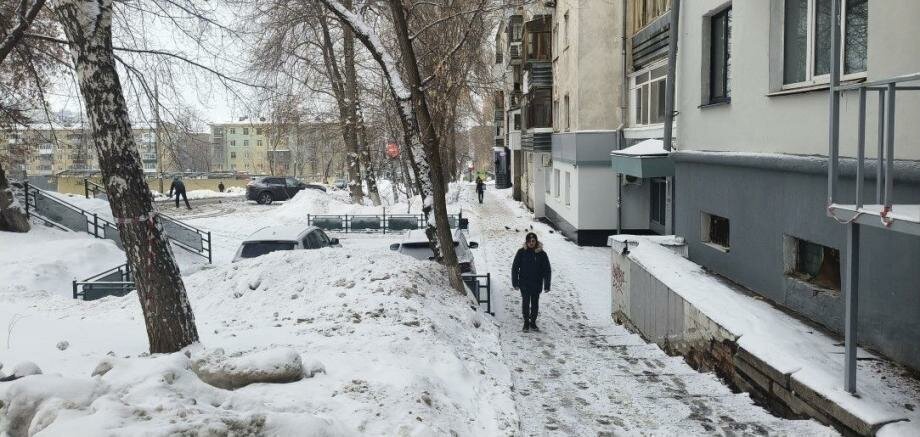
[12, 215]
[351, 117]
[167, 312]
[367, 162]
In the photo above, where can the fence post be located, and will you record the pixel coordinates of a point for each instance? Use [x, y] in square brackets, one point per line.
[383, 221]
[489, 293]
[74, 288]
[86, 188]
[96, 226]
[25, 185]
[210, 249]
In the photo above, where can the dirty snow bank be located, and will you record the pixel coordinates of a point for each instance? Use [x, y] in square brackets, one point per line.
[316, 202]
[45, 260]
[392, 351]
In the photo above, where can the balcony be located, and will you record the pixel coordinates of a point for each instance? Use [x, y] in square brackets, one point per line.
[499, 142]
[539, 74]
[537, 140]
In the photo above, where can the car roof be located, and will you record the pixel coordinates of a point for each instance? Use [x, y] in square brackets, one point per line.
[419, 236]
[281, 232]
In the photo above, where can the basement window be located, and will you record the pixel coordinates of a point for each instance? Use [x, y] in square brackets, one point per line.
[714, 231]
[814, 263]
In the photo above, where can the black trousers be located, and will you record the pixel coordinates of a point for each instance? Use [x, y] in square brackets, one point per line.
[480, 193]
[530, 303]
[184, 197]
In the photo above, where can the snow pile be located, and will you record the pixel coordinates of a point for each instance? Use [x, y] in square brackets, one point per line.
[392, 351]
[316, 202]
[204, 194]
[219, 370]
[45, 260]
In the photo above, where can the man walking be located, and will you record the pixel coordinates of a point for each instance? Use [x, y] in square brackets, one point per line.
[530, 273]
[179, 187]
[480, 188]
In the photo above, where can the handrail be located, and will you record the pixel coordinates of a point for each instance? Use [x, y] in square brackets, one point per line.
[913, 77]
[79, 288]
[91, 217]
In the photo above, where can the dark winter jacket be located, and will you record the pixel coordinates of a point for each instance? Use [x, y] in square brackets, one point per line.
[531, 270]
[480, 186]
[178, 186]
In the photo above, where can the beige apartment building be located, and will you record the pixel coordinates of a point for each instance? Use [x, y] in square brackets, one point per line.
[311, 150]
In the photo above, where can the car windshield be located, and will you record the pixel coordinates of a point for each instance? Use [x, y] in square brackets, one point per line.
[259, 248]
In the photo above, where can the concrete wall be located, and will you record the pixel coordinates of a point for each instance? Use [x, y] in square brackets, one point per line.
[754, 121]
[767, 199]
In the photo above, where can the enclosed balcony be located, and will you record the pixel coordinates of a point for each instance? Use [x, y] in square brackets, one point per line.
[538, 75]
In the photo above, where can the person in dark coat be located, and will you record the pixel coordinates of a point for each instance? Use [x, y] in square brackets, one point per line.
[531, 274]
[220, 186]
[480, 188]
[179, 187]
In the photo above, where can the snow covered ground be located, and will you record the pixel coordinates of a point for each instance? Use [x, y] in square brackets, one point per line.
[583, 375]
[386, 347]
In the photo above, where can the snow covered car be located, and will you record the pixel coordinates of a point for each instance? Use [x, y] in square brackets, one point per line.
[290, 237]
[416, 245]
[265, 190]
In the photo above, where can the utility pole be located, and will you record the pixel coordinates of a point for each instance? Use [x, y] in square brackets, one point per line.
[156, 127]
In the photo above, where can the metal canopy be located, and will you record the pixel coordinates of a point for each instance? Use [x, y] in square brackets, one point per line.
[646, 159]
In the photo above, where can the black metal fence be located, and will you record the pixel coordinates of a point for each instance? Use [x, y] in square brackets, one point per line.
[58, 213]
[481, 287]
[377, 223]
[114, 282]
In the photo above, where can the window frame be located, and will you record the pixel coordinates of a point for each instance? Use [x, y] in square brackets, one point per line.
[568, 188]
[810, 78]
[726, 56]
[635, 92]
[706, 220]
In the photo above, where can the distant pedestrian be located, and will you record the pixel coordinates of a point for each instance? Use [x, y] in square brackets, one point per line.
[530, 273]
[179, 187]
[480, 188]
[220, 186]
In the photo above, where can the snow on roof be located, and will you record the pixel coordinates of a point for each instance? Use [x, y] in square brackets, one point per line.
[282, 232]
[649, 147]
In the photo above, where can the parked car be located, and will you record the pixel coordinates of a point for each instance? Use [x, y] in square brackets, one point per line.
[289, 237]
[340, 184]
[416, 245]
[268, 189]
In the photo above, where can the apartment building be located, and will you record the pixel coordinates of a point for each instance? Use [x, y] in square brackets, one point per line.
[752, 185]
[587, 118]
[260, 147]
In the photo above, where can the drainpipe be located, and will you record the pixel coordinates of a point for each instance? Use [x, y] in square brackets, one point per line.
[620, 184]
[624, 82]
[669, 97]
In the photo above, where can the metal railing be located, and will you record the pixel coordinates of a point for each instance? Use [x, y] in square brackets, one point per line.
[481, 287]
[58, 213]
[113, 282]
[887, 91]
[377, 223]
[183, 235]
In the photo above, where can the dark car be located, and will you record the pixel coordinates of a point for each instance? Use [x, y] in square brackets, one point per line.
[268, 189]
[286, 237]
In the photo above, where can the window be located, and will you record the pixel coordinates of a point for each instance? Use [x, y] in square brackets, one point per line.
[565, 31]
[258, 131]
[714, 231]
[517, 121]
[556, 182]
[720, 56]
[568, 113]
[232, 155]
[568, 188]
[539, 112]
[245, 131]
[245, 143]
[647, 90]
[547, 180]
[807, 40]
[539, 38]
[659, 196]
[232, 130]
[813, 263]
[259, 143]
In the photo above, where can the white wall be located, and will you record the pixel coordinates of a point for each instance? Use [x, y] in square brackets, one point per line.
[797, 123]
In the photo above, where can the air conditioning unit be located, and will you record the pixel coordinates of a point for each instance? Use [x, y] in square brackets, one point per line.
[631, 181]
[547, 161]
